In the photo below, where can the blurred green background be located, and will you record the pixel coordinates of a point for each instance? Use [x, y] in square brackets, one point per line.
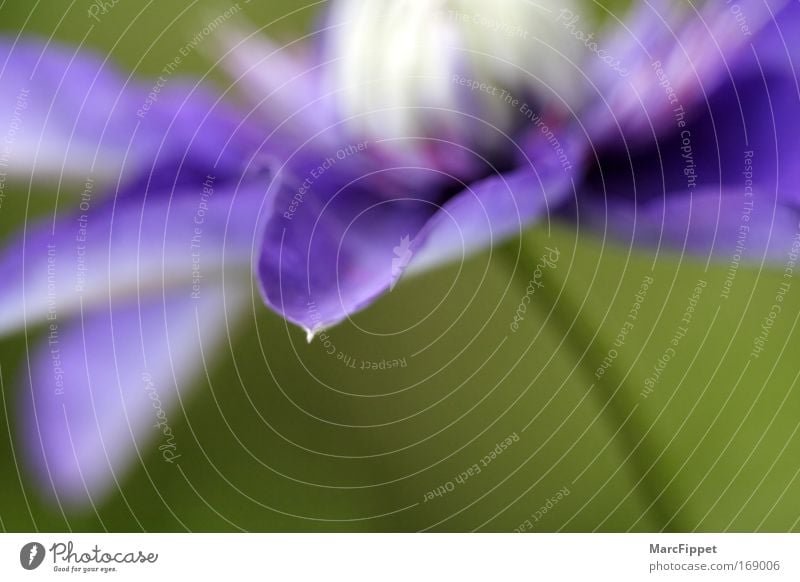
[284, 437]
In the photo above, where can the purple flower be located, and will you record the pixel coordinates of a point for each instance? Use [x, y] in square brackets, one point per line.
[405, 138]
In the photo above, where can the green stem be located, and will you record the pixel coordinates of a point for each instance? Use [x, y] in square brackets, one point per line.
[580, 339]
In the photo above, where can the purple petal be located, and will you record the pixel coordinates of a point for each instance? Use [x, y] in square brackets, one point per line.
[777, 43]
[709, 222]
[69, 113]
[280, 84]
[749, 121]
[117, 249]
[106, 386]
[741, 139]
[673, 56]
[326, 258]
[497, 208]
[299, 98]
[329, 259]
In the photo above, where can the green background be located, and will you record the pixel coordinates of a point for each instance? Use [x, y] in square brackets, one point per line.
[266, 447]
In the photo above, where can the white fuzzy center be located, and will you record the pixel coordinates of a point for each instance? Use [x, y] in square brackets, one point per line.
[402, 63]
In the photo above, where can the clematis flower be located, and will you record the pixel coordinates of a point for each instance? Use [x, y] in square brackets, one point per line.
[403, 135]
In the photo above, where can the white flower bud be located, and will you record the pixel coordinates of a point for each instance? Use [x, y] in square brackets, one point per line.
[400, 65]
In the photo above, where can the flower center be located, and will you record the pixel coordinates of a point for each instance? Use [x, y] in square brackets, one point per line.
[418, 68]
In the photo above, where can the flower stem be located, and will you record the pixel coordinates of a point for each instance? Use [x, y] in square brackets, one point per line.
[580, 339]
